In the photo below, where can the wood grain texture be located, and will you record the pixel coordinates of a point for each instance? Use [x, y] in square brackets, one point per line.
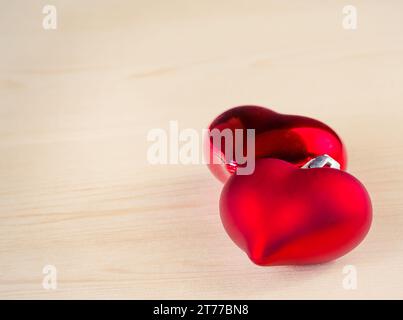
[76, 104]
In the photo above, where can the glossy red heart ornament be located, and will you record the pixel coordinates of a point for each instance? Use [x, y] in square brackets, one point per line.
[295, 139]
[302, 216]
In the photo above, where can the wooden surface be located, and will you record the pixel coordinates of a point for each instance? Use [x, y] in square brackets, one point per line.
[76, 103]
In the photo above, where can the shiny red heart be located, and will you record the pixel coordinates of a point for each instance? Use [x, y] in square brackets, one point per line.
[295, 139]
[282, 215]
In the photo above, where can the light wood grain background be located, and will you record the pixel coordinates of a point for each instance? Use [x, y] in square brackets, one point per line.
[76, 103]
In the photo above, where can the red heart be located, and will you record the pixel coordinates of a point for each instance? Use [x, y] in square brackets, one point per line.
[295, 139]
[283, 215]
